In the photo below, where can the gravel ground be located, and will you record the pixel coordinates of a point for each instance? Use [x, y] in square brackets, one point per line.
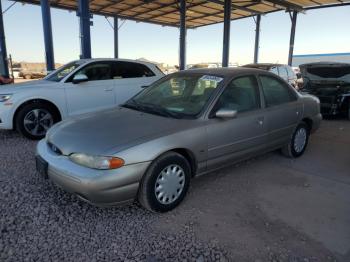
[40, 222]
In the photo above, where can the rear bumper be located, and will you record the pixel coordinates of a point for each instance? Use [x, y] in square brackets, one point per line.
[97, 187]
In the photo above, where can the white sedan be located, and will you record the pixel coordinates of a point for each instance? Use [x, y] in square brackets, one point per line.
[78, 87]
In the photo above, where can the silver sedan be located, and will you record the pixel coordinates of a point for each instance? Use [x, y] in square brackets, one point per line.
[184, 125]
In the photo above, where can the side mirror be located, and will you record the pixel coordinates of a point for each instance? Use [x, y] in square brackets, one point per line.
[226, 113]
[298, 75]
[79, 78]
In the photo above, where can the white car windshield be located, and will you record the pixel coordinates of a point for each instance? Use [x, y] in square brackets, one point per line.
[177, 96]
[63, 71]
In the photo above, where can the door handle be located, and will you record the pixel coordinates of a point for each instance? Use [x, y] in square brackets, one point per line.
[108, 89]
[260, 120]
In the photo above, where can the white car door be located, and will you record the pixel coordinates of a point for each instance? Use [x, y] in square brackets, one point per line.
[130, 78]
[97, 93]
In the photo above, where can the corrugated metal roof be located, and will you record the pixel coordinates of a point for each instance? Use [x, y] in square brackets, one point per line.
[199, 12]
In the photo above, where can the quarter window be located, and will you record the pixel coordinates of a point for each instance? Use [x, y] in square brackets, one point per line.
[241, 95]
[275, 92]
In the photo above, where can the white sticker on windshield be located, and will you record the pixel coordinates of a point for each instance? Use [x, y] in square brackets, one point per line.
[211, 78]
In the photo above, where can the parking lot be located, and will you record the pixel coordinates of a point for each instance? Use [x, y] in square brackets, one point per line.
[267, 209]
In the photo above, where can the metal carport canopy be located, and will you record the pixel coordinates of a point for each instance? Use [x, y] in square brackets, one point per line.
[175, 13]
[199, 13]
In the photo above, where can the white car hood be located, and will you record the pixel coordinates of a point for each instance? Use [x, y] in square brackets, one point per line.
[14, 88]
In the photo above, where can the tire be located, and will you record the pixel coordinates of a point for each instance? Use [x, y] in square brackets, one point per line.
[171, 167]
[294, 149]
[35, 114]
[27, 77]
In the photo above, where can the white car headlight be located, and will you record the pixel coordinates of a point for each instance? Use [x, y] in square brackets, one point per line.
[96, 162]
[5, 97]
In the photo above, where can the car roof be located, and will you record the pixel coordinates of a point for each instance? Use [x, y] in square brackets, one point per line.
[223, 71]
[88, 60]
[262, 65]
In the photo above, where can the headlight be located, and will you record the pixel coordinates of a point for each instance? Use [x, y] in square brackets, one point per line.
[96, 162]
[5, 97]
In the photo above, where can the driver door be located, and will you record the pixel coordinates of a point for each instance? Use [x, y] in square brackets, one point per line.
[95, 94]
[246, 134]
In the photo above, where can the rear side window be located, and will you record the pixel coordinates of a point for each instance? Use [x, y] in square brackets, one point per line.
[275, 91]
[241, 95]
[123, 69]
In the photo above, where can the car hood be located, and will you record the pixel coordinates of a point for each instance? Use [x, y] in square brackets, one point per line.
[14, 88]
[110, 131]
[326, 73]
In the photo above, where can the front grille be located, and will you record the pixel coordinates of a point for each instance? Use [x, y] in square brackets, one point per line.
[54, 148]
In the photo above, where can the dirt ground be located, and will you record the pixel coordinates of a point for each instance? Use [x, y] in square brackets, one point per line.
[270, 208]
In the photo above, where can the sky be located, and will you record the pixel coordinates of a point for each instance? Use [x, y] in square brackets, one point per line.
[318, 31]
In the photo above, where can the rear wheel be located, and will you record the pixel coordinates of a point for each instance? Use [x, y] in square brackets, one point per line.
[298, 142]
[165, 184]
[33, 120]
[27, 77]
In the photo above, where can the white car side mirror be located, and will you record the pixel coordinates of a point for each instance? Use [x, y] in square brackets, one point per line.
[79, 78]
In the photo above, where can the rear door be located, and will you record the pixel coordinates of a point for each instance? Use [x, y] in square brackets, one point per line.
[95, 94]
[130, 78]
[282, 109]
[232, 139]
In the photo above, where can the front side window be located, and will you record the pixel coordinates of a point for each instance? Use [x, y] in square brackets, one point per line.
[122, 69]
[178, 95]
[291, 73]
[275, 91]
[283, 72]
[96, 71]
[241, 95]
[63, 71]
[274, 70]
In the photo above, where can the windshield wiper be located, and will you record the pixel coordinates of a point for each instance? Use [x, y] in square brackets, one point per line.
[132, 105]
[150, 108]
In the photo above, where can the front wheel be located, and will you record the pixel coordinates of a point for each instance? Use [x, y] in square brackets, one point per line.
[165, 184]
[33, 120]
[298, 142]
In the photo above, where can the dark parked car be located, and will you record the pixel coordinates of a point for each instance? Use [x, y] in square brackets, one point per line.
[330, 82]
[284, 71]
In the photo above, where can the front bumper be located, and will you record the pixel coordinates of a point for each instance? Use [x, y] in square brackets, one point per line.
[316, 122]
[98, 187]
[5, 116]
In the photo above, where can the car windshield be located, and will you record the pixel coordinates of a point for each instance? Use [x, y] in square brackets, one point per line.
[63, 71]
[178, 96]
